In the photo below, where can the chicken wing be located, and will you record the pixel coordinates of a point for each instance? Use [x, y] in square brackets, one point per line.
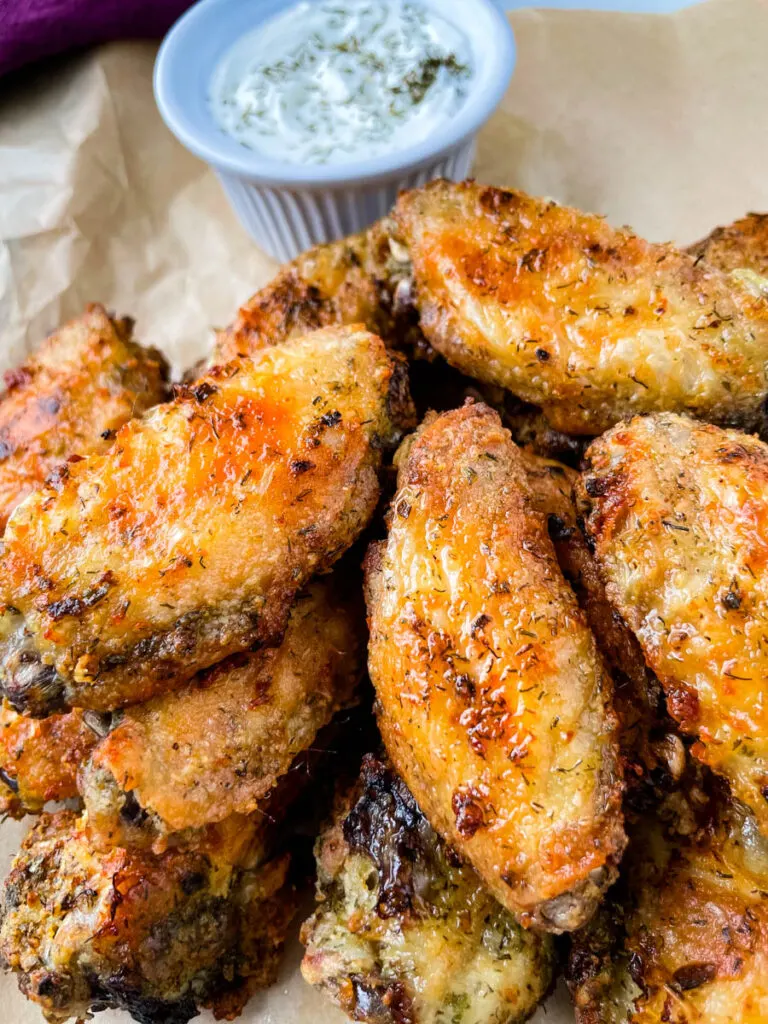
[589, 323]
[352, 281]
[685, 941]
[188, 541]
[648, 741]
[68, 399]
[494, 703]
[403, 931]
[39, 759]
[677, 514]
[217, 746]
[740, 246]
[155, 935]
[86, 380]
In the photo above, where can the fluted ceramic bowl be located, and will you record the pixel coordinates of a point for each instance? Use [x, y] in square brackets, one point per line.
[287, 207]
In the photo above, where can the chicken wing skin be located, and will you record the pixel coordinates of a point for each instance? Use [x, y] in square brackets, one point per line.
[155, 935]
[589, 323]
[39, 759]
[352, 281]
[404, 933]
[494, 703]
[651, 750]
[217, 746]
[686, 939]
[189, 540]
[85, 380]
[677, 514]
[742, 245]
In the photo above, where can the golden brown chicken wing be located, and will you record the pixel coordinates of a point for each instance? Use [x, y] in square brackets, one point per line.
[156, 935]
[403, 931]
[678, 516]
[39, 759]
[685, 940]
[86, 380]
[494, 703]
[188, 541]
[589, 323]
[352, 281]
[742, 245]
[217, 746]
[645, 733]
[69, 398]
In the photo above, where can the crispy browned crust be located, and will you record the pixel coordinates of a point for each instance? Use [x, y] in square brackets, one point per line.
[742, 245]
[347, 282]
[190, 538]
[84, 382]
[590, 323]
[494, 703]
[155, 935]
[677, 514]
[217, 746]
[403, 932]
[685, 939]
[39, 759]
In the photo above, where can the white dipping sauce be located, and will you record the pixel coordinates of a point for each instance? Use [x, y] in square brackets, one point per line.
[329, 82]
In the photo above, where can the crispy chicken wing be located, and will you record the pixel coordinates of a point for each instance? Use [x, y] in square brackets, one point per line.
[684, 940]
[155, 935]
[590, 323]
[217, 746]
[188, 541]
[86, 380]
[39, 759]
[494, 703]
[403, 931]
[678, 516]
[69, 398]
[740, 246]
[352, 281]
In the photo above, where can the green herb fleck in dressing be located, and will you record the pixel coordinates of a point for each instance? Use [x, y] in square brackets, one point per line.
[334, 81]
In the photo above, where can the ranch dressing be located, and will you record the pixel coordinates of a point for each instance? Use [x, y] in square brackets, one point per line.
[330, 82]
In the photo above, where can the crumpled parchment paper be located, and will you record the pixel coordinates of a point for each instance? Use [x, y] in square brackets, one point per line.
[658, 121]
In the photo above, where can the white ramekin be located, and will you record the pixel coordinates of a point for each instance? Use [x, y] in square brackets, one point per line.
[285, 207]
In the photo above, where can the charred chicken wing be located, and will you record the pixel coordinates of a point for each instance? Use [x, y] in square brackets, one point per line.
[217, 746]
[189, 539]
[403, 931]
[678, 516]
[155, 935]
[589, 323]
[494, 703]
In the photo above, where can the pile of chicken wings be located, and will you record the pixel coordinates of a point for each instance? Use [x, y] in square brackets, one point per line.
[454, 553]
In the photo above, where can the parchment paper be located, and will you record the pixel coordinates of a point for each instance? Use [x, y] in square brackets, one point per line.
[656, 121]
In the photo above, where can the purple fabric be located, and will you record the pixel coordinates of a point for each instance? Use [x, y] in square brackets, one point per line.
[31, 29]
